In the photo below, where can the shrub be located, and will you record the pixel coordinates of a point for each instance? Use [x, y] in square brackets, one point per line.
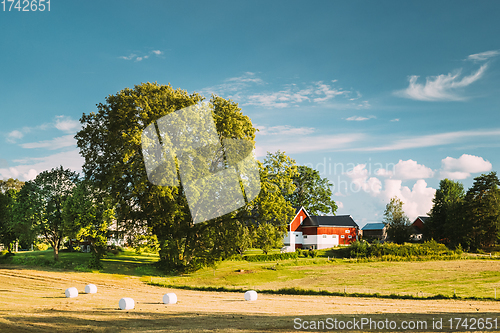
[271, 257]
[40, 246]
[392, 251]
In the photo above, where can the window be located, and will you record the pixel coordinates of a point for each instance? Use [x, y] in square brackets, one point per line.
[301, 219]
[296, 235]
[350, 236]
[305, 236]
[342, 236]
[324, 236]
[347, 231]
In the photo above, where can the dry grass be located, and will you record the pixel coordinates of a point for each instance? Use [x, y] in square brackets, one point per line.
[33, 301]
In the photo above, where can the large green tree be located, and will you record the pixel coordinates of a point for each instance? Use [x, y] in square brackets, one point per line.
[110, 142]
[312, 192]
[10, 184]
[482, 211]
[398, 224]
[446, 223]
[88, 214]
[9, 230]
[41, 205]
[7, 227]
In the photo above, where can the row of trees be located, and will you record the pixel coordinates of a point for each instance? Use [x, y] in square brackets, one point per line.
[115, 187]
[468, 219]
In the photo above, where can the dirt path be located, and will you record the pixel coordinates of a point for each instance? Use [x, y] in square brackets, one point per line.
[34, 301]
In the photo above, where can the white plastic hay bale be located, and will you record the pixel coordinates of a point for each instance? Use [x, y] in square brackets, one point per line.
[170, 298]
[71, 292]
[251, 295]
[126, 303]
[90, 289]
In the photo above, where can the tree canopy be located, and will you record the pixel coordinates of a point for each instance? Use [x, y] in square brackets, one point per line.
[482, 211]
[312, 192]
[445, 223]
[398, 224]
[40, 205]
[110, 142]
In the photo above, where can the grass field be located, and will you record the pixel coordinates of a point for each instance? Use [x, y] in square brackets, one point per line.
[466, 278]
[34, 301]
[32, 298]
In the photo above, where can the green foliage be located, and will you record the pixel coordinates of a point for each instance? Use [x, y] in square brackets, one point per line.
[312, 192]
[271, 209]
[482, 211]
[271, 257]
[268, 237]
[7, 221]
[40, 246]
[110, 142]
[445, 222]
[10, 184]
[40, 205]
[146, 243]
[361, 249]
[88, 214]
[398, 224]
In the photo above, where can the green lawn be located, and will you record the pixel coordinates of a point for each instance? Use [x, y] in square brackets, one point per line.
[469, 278]
[126, 262]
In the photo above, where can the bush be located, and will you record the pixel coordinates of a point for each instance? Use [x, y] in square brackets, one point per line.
[390, 251]
[271, 257]
[39, 246]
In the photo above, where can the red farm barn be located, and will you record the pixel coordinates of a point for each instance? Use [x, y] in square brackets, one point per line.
[319, 232]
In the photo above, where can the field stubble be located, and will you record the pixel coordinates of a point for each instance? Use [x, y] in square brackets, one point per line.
[33, 300]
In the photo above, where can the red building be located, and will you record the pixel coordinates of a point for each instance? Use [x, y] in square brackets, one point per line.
[319, 232]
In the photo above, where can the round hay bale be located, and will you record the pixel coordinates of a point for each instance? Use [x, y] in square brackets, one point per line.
[126, 303]
[170, 298]
[251, 295]
[71, 292]
[90, 289]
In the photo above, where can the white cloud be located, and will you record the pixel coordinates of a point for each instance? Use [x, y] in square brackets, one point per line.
[298, 140]
[395, 119]
[129, 57]
[14, 136]
[432, 140]
[417, 201]
[483, 56]
[360, 118]
[340, 204]
[292, 95]
[409, 169]
[360, 178]
[442, 87]
[243, 89]
[327, 92]
[66, 124]
[233, 87]
[463, 167]
[30, 167]
[284, 130]
[56, 143]
[143, 55]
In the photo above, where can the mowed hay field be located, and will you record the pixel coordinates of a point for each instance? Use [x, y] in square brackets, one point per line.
[34, 301]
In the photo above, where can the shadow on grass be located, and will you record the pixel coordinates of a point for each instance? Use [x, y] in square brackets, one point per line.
[137, 321]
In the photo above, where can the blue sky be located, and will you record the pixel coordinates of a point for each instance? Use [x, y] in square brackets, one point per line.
[384, 98]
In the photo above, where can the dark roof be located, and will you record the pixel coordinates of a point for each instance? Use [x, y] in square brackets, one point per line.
[423, 218]
[332, 221]
[374, 226]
